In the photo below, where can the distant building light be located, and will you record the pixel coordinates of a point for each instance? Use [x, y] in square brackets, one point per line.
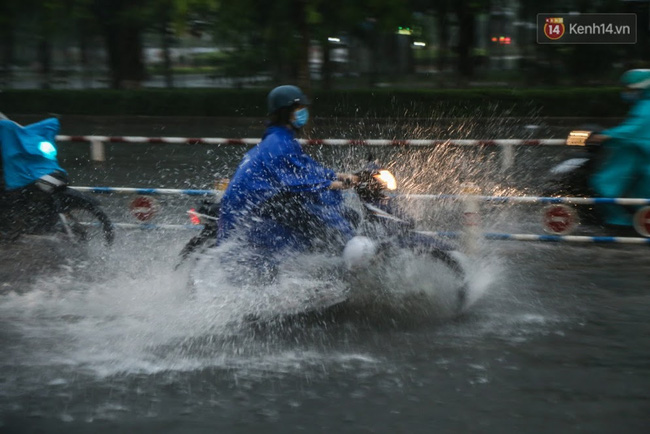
[332, 39]
[420, 44]
[502, 40]
[404, 31]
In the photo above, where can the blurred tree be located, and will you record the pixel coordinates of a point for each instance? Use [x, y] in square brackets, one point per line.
[83, 30]
[170, 18]
[123, 23]
[278, 34]
[442, 10]
[466, 11]
[8, 13]
[332, 18]
[463, 14]
[383, 18]
[164, 11]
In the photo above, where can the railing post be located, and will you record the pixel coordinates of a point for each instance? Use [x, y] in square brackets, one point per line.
[507, 156]
[97, 152]
[471, 217]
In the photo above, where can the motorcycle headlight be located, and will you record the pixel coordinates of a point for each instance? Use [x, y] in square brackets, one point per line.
[578, 138]
[387, 179]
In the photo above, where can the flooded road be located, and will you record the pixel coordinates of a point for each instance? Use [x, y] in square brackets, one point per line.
[113, 340]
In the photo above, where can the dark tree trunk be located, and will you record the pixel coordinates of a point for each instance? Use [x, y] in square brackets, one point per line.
[326, 68]
[443, 36]
[7, 40]
[303, 55]
[123, 35]
[84, 57]
[124, 56]
[45, 62]
[7, 52]
[465, 38]
[166, 47]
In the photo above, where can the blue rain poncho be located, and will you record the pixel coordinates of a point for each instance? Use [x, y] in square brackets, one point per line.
[625, 168]
[28, 152]
[278, 168]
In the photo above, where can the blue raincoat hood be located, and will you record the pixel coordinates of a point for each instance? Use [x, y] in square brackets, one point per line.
[28, 152]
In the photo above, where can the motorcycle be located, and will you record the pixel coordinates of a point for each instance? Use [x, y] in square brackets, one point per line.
[43, 204]
[570, 178]
[383, 232]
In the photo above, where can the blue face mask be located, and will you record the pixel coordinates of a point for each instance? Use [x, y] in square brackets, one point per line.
[300, 117]
[630, 95]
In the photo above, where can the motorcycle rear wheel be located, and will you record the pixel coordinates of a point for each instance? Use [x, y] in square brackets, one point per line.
[87, 223]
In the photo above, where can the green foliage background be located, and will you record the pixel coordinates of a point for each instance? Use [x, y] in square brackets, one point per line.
[588, 102]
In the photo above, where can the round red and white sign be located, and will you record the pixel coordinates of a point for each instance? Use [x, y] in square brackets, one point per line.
[559, 219]
[642, 221]
[143, 208]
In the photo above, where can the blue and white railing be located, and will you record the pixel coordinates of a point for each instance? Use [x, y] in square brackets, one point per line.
[494, 199]
[471, 231]
[148, 191]
[549, 238]
[495, 236]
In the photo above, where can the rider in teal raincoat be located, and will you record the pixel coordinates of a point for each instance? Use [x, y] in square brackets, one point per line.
[625, 167]
[28, 163]
[280, 197]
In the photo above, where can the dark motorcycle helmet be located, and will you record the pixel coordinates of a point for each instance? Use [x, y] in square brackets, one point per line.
[285, 96]
[282, 100]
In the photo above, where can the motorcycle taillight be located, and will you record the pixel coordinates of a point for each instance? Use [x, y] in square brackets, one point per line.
[194, 218]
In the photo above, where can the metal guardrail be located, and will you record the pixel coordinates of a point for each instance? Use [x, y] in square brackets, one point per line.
[317, 142]
[497, 199]
[495, 236]
[148, 191]
[560, 221]
[98, 150]
[550, 238]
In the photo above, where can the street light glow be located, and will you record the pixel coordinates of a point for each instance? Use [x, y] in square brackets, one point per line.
[419, 44]
[332, 39]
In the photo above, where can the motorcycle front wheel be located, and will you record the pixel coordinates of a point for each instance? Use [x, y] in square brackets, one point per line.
[416, 279]
[454, 265]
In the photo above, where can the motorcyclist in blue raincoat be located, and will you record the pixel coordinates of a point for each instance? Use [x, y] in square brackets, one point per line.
[280, 197]
[624, 170]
